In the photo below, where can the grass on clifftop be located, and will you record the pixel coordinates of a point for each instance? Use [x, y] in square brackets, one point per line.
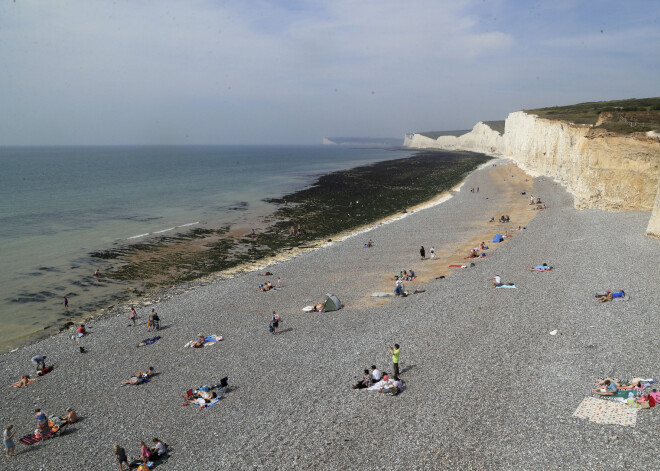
[620, 116]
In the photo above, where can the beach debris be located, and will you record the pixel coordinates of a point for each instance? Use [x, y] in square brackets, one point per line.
[554, 332]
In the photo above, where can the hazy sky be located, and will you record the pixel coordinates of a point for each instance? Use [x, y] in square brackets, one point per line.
[292, 72]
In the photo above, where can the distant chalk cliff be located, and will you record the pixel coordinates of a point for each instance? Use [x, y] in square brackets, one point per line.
[602, 170]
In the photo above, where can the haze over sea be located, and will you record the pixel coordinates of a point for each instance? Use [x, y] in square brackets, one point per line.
[59, 204]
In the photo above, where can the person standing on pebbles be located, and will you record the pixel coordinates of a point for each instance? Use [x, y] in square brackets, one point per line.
[395, 358]
[275, 322]
[133, 315]
[422, 252]
[432, 251]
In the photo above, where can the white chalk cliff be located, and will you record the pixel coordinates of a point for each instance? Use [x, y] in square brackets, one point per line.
[602, 170]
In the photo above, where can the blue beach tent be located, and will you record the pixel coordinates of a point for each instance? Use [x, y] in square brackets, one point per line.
[498, 237]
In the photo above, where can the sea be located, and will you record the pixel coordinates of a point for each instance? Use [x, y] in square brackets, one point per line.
[59, 204]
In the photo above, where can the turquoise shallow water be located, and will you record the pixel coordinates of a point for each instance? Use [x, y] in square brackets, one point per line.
[59, 204]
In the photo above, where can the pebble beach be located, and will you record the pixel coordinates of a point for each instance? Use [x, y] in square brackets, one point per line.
[486, 385]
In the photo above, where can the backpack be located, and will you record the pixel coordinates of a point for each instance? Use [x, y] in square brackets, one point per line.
[270, 328]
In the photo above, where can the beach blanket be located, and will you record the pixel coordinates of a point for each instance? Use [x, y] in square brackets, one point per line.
[506, 286]
[381, 384]
[149, 341]
[458, 266]
[600, 411]
[17, 384]
[208, 341]
[31, 439]
[379, 294]
[205, 405]
[308, 308]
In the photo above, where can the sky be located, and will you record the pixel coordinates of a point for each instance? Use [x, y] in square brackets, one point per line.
[172, 72]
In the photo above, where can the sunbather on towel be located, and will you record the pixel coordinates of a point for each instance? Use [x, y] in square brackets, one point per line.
[609, 296]
[24, 381]
[606, 387]
[201, 340]
[543, 267]
[139, 377]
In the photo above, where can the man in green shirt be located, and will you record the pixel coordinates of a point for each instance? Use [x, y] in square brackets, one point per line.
[395, 358]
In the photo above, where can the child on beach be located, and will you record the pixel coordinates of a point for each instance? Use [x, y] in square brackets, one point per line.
[133, 315]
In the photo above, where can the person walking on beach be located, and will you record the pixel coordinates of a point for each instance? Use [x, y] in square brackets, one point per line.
[66, 302]
[133, 315]
[39, 361]
[8, 442]
[432, 252]
[279, 283]
[120, 454]
[395, 358]
[155, 320]
[422, 252]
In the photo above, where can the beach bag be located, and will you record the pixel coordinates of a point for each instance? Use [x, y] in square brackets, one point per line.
[270, 329]
[651, 401]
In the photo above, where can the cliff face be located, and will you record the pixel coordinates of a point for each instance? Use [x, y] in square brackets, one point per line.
[604, 171]
[481, 139]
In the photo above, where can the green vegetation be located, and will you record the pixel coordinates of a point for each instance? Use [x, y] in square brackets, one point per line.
[337, 202]
[496, 125]
[620, 116]
[437, 134]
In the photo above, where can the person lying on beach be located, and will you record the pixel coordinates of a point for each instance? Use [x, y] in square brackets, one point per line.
[23, 382]
[366, 381]
[140, 377]
[369, 244]
[318, 307]
[606, 387]
[201, 340]
[609, 296]
[202, 397]
[543, 267]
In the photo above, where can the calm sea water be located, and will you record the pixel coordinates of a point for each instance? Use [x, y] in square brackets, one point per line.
[59, 204]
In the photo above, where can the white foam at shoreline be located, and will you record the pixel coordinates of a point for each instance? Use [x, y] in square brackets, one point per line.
[138, 236]
[165, 230]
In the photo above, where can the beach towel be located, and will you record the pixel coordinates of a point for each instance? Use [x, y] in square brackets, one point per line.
[601, 411]
[208, 341]
[308, 308]
[31, 439]
[458, 266]
[17, 383]
[379, 294]
[381, 384]
[506, 286]
[205, 405]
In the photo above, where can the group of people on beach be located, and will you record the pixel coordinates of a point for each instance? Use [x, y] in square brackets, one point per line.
[147, 454]
[373, 379]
